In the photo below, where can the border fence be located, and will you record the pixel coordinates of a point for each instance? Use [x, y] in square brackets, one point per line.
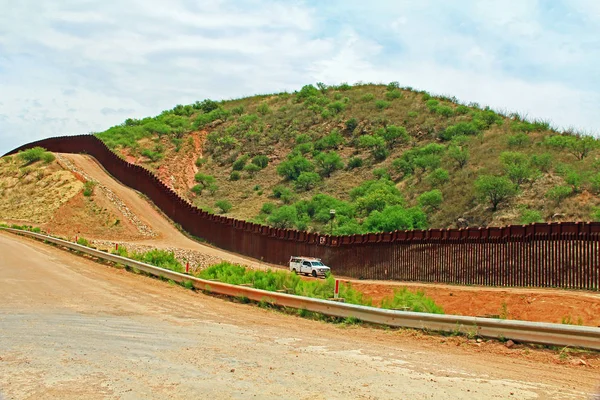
[564, 255]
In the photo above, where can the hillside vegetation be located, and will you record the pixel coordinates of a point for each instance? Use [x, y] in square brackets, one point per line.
[381, 156]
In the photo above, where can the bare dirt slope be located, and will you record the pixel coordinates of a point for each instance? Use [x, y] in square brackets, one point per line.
[50, 195]
[71, 329]
[545, 305]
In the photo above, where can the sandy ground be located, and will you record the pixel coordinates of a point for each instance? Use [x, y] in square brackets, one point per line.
[544, 305]
[71, 328]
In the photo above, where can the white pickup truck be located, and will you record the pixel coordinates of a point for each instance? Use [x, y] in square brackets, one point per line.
[308, 266]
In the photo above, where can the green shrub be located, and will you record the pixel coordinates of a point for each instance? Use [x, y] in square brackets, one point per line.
[559, 193]
[83, 242]
[416, 302]
[283, 193]
[495, 189]
[518, 140]
[381, 173]
[235, 176]
[331, 141]
[382, 104]
[393, 135]
[376, 144]
[252, 169]
[206, 105]
[263, 109]
[351, 124]
[438, 177]
[48, 157]
[462, 128]
[282, 280]
[240, 163]
[336, 107]
[303, 138]
[239, 110]
[261, 161]
[530, 216]
[431, 200]
[355, 162]
[32, 155]
[596, 215]
[579, 146]
[328, 163]
[152, 155]
[293, 167]
[462, 110]
[367, 97]
[595, 183]
[396, 218]
[268, 208]
[393, 95]
[574, 179]
[376, 195]
[307, 181]
[160, 258]
[543, 162]
[394, 85]
[460, 155]
[517, 167]
[224, 205]
[284, 217]
[204, 182]
[304, 148]
[88, 188]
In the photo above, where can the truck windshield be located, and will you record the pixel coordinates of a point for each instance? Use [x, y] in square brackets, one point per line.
[317, 263]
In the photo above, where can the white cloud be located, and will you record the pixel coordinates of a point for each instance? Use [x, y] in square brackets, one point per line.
[90, 65]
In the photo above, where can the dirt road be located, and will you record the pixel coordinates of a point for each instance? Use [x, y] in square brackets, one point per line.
[71, 328]
[168, 235]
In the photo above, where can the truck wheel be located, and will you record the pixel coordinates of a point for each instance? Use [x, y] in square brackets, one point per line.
[314, 273]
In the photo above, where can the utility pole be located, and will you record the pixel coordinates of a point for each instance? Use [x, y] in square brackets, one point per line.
[332, 216]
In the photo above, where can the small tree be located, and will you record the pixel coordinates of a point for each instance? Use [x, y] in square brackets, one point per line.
[307, 181]
[235, 176]
[438, 177]
[284, 217]
[574, 179]
[329, 163]
[204, 181]
[581, 146]
[460, 155]
[495, 189]
[292, 168]
[431, 200]
[517, 167]
[224, 205]
[393, 135]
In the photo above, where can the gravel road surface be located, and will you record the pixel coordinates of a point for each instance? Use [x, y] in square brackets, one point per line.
[71, 328]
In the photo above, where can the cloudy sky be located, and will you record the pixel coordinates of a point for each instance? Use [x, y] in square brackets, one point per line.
[79, 66]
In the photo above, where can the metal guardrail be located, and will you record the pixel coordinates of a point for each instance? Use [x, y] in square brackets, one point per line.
[522, 331]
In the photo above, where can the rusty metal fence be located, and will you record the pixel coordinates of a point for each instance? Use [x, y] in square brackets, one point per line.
[563, 255]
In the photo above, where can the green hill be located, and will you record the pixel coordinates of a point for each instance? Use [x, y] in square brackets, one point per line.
[383, 157]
